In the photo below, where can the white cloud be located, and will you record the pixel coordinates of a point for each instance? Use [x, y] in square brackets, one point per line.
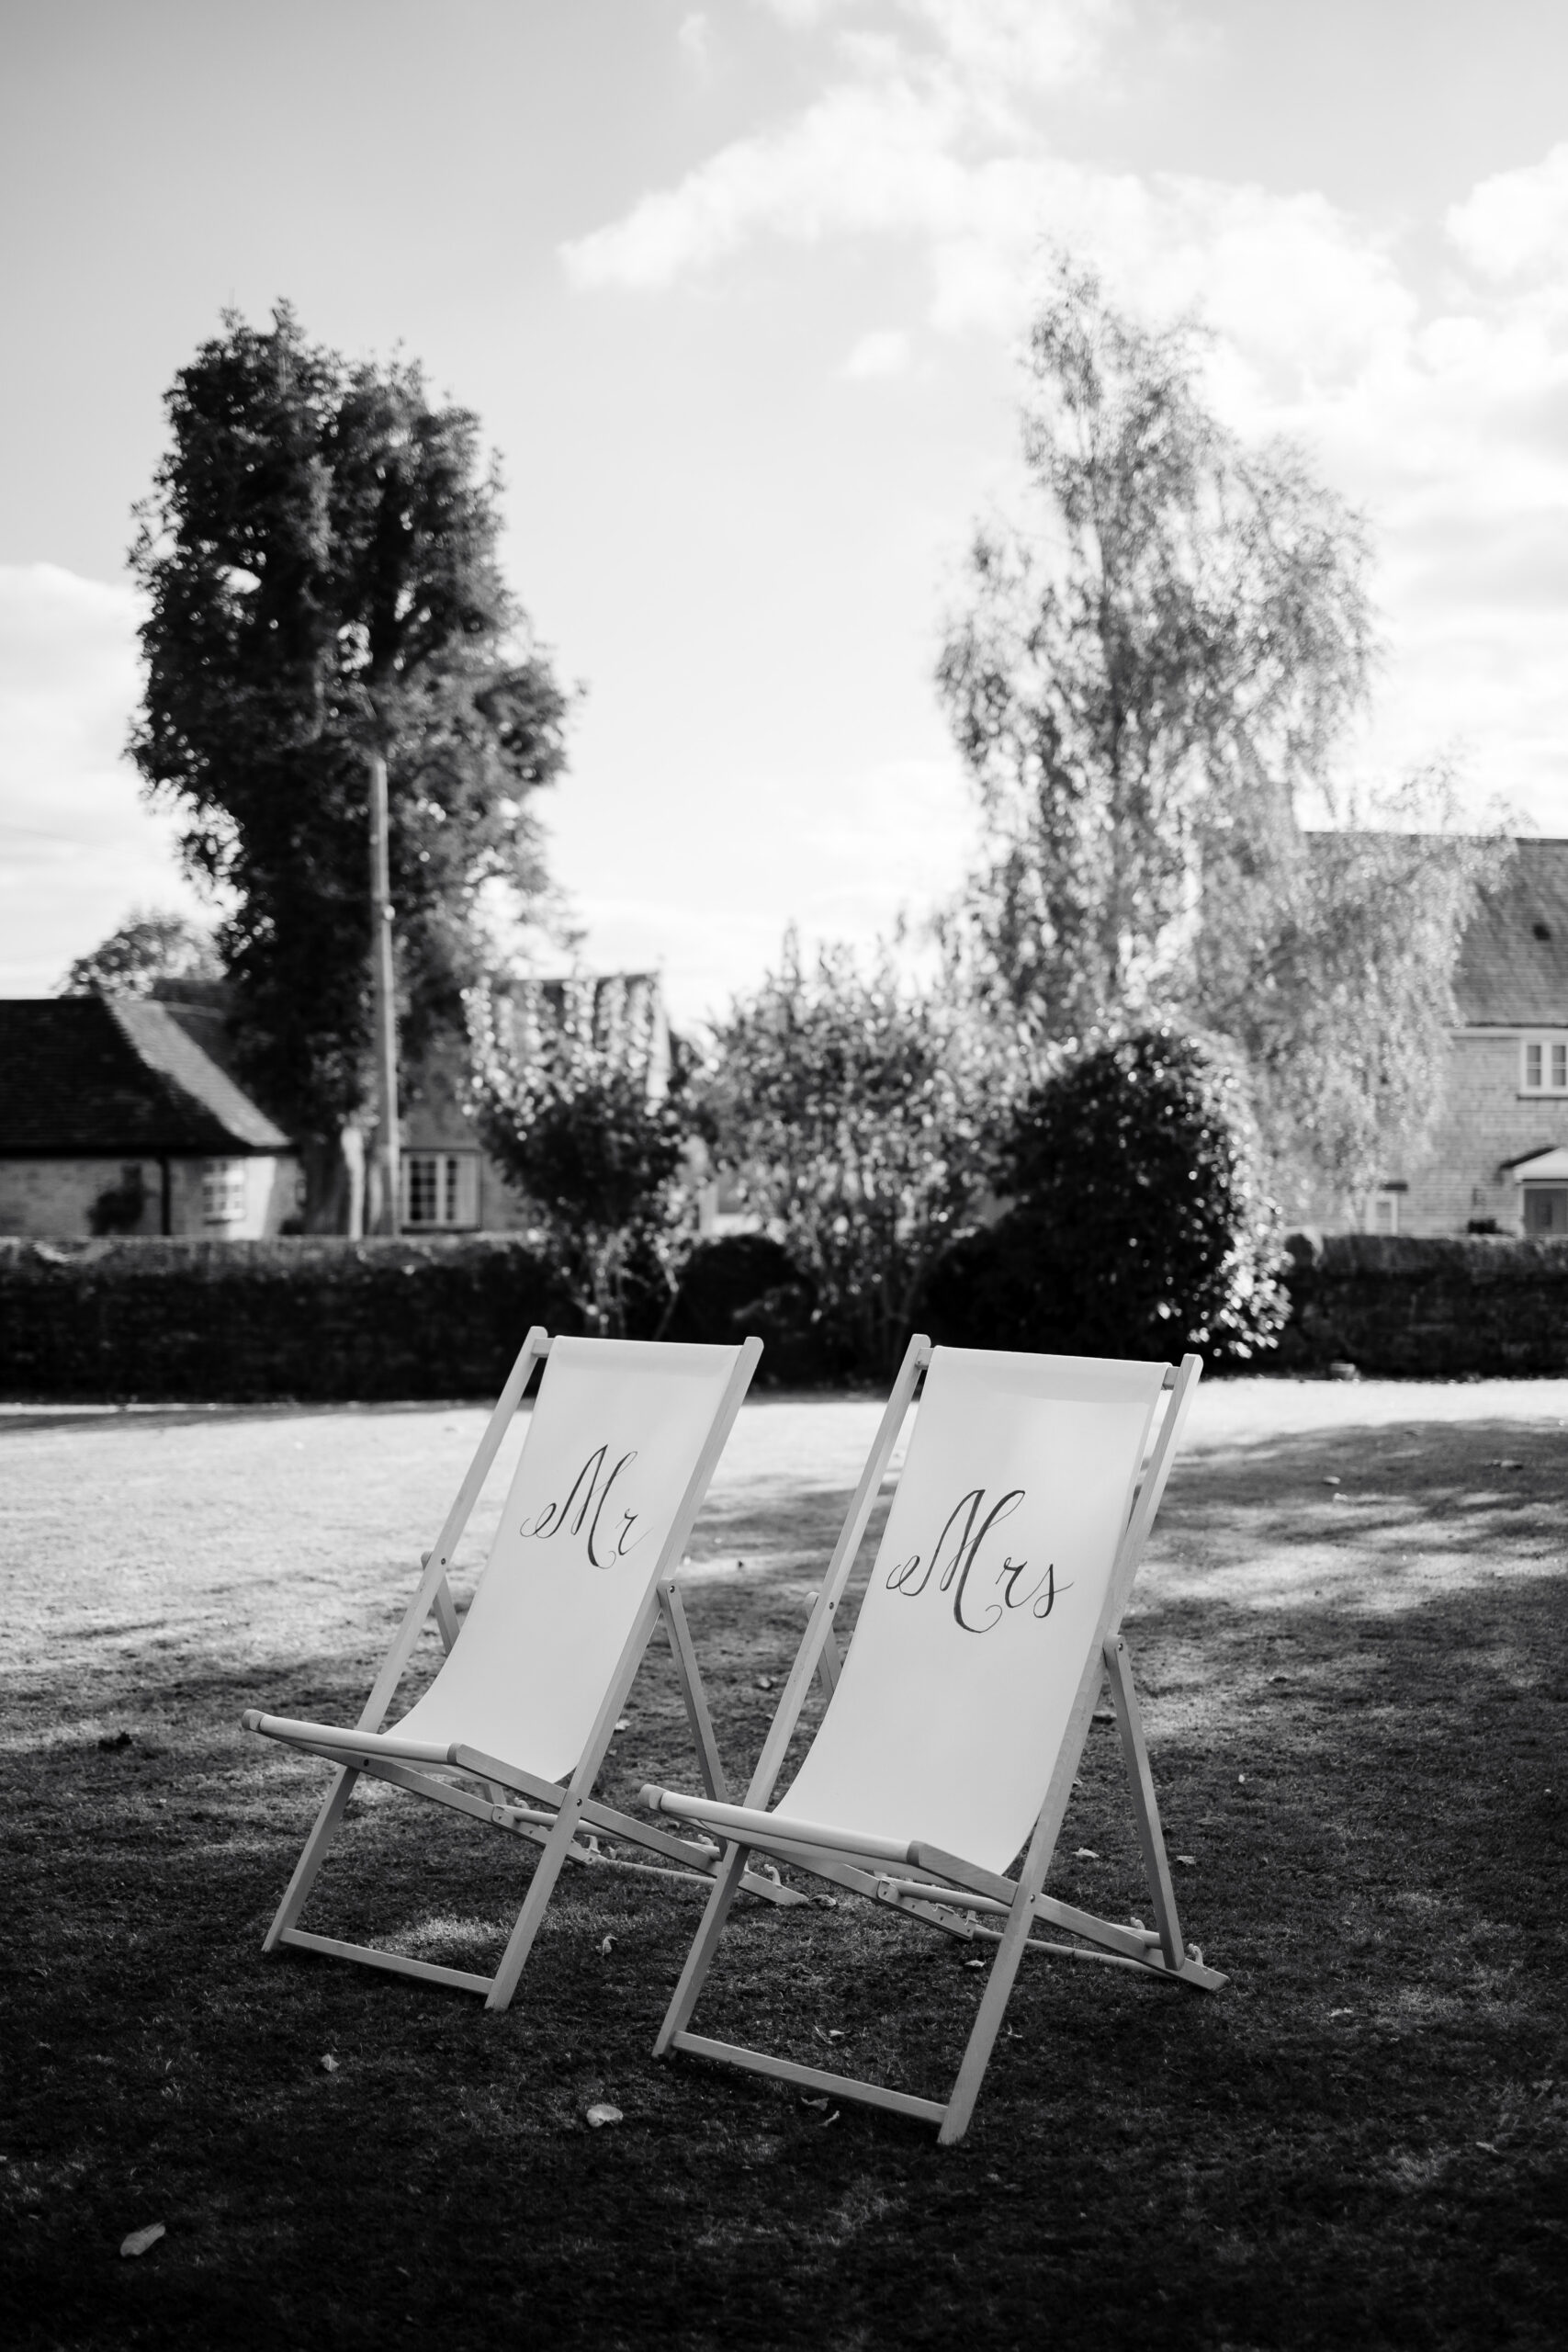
[882, 150]
[1515, 224]
[883, 352]
[691, 34]
[77, 849]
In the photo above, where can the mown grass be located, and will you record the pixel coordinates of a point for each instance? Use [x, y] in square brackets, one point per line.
[1355, 1695]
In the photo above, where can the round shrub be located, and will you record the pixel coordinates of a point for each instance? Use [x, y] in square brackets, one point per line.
[1140, 1222]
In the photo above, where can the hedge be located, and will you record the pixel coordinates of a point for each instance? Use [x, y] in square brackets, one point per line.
[324, 1320]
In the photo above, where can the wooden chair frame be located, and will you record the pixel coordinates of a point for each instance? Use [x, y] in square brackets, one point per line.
[940, 1889]
[563, 1819]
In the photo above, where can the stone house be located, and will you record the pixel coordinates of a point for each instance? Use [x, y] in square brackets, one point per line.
[117, 1116]
[1497, 1160]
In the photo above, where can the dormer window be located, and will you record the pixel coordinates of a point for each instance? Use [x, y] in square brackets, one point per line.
[1544, 1065]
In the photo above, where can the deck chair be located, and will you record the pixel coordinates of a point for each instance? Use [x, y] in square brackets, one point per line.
[616, 1459]
[958, 1720]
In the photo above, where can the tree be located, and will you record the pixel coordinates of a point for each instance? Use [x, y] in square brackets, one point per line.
[154, 952]
[1343, 1003]
[568, 1095]
[858, 1112]
[1148, 690]
[318, 557]
[1141, 1223]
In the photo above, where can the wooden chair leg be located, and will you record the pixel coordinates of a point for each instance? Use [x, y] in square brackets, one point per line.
[314, 1855]
[987, 2021]
[541, 1887]
[699, 1960]
[1146, 1804]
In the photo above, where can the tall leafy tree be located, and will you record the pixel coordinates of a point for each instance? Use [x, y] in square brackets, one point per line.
[318, 559]
[1149, 680]
[858, 1110]
[570, 1091]
[154, 951]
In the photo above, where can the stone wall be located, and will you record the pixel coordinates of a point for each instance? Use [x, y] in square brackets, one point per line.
[314, 1318]
[1425, 1309]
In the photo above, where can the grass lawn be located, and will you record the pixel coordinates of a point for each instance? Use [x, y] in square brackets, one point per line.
[1349, 1637]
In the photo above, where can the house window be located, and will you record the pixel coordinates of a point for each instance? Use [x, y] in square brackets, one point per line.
[441, 1190]
[1546, 1209]
[1545, 1066]
[1385, 1212]
[222, 1192]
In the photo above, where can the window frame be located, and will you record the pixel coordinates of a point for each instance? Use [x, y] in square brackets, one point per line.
[1547, 1049]
[454, 1176]
[224, 1192]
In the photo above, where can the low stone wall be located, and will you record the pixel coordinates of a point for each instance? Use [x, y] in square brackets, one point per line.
[313, 1318]
[1440, 1309]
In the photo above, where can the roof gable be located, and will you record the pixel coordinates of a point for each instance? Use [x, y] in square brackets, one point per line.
[92, 1074]
[1512, 962]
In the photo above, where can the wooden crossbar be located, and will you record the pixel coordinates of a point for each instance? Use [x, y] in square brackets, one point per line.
[784, 2070]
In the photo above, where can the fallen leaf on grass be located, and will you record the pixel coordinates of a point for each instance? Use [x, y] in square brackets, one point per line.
[601, 2113]
[1187, 1861]
[820, 2104]
[834, 2033]
[625, 1724]
[1086, 1854]
[1341, 2013]
[1331, 1482]
[606, 1946]
[764, 1683]
[329, 2065]
[140, 2240]
[1502, 1462]
[1490, 2147]
[974, 1963]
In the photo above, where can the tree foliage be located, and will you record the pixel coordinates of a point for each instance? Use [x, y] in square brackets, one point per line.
[154, 952]
[318, 557]
[1343, 1005]
[1142, 686]
[566, 1092]
[1141, 1222]
[857, 1112]
[1149, 686]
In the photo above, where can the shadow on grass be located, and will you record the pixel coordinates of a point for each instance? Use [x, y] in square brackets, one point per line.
[1355, 1711]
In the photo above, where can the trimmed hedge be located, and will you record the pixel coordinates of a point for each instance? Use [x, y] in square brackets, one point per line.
[323, 1320]
[1408, 1308]
[314, 1318]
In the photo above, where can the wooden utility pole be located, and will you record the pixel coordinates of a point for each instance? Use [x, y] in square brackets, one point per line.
[386, 1158]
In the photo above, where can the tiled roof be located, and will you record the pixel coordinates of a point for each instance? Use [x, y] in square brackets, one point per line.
[92, 1074]
[1512, 966]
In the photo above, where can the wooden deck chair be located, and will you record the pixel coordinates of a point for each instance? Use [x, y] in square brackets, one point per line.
[958, 1720]
[616, 1459]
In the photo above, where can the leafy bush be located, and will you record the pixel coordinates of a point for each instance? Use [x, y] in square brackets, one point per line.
[855, 1112]
[1140, 1225]
[563, 1091]
[747, 1284]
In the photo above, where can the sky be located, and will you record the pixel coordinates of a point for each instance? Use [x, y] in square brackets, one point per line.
[736, 293]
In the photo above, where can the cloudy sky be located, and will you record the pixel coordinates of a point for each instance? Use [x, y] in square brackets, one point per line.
[735, 290]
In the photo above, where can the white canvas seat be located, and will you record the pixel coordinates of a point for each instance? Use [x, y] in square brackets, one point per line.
[956, 1724]
[615, 1460]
